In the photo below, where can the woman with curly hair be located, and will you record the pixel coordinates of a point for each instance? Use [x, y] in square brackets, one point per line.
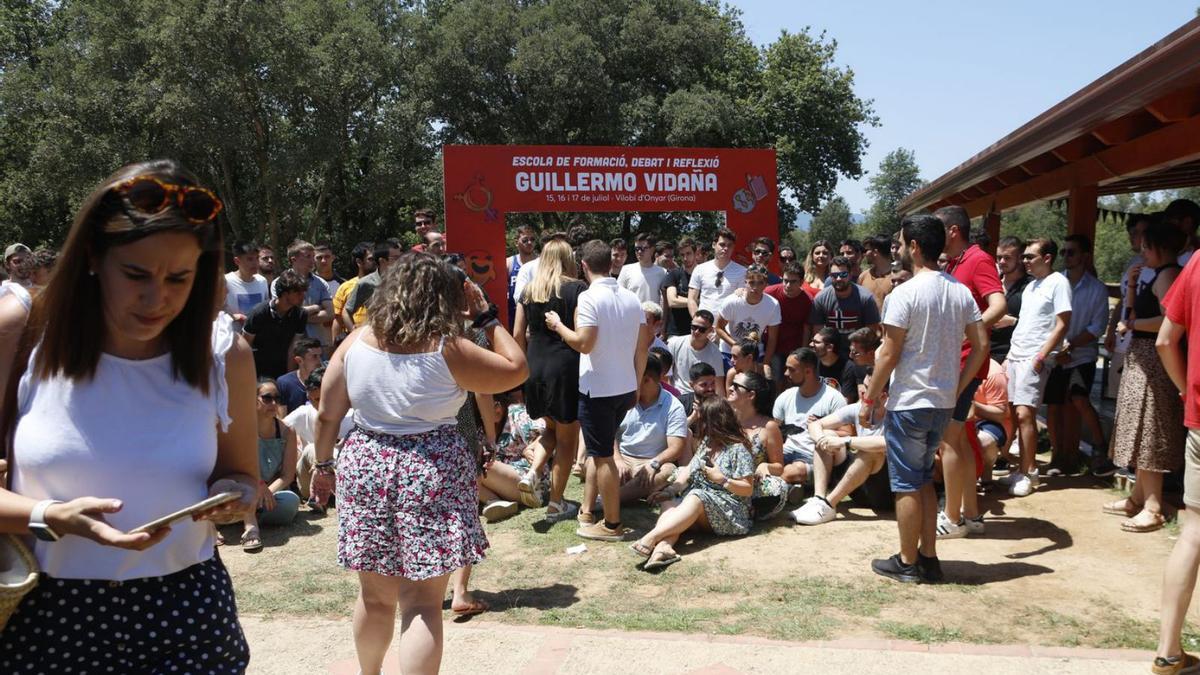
[712, 493]
[406, 488]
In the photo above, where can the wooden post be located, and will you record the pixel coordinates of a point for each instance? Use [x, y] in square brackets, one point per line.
[1081, 211]
[991, 223]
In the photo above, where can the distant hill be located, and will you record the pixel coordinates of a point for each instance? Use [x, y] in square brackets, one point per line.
[803, 220]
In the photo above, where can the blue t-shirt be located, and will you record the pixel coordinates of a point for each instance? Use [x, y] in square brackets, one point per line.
[292, 390]
[644, 431]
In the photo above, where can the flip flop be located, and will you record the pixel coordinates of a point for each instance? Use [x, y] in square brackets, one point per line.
[477, 607]
[644, 551]
[251, 541]
[664, 562]
[1156, 523]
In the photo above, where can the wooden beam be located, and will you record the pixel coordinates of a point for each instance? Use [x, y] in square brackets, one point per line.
[1127, 128]
[1081, 210]
[1166, 147]
[1176, 106]
[992, 185]
[1043, 163]
[1078, 148]
[1013, 176]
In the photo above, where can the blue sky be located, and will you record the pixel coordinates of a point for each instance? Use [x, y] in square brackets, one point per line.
[950, 78]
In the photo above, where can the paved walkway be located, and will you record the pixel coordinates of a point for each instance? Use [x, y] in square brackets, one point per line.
[316, 646]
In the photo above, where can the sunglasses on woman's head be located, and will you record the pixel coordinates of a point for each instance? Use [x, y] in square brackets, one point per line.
[150, 195]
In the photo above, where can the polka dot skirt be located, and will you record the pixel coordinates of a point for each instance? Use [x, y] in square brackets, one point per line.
[181, 623]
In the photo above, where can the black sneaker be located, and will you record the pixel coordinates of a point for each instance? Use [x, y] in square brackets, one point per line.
[930, 569]
[1001, 464]
[894, 568]
[1103, 467]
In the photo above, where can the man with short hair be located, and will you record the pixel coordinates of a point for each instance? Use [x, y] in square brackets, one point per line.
[794, 307]
[424, 222]
[613, 341]
[845, 460]
[808, 396]
[267, 265]
[787, 256]
[863, 343]
[664, 255]
[526, 253]
[318, 302]
[306, 357]
[834, 368]
[324, 260]
[761, 250]
[654, 321]
[273, 325]
[844, 305]
[877, 278]
[355, 311]
[675, 288]
[643, 277]
[1068, 395]
[651, 438]
[435, 243]
[1179, 348]
[1014, 278]
[1184, 214]
[752, 315]
[702, 384]
[18, 264]
[620, 252]
[924, 327]
[1045, 315]
[852, 250]
[696, 347]
[975, 269]
[245, 288]
[900, 274]
[44, 260]
[717, 279]
[364, 260]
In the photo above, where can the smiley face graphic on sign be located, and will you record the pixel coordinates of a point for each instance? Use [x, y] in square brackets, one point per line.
[480, 267]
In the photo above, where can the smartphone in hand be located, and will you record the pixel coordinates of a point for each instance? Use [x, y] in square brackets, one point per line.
[213, 501]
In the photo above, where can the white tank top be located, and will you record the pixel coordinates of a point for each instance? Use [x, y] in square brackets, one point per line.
[401, 394]
[135, 433]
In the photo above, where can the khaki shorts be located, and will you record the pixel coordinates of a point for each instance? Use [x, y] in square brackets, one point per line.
[636, 463]
[1191, 469]
[1026, 387]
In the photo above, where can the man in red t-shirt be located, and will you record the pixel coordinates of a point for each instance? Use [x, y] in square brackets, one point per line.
[794, 306]
[1182, 316]
[977, 271]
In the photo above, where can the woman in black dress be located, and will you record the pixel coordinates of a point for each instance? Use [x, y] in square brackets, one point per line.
[552, 391]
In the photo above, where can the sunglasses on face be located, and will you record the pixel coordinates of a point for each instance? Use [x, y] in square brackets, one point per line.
[269, 398]
[639, 249]
[1028, 257]
[839, 275]
[762, 251]
[738, 385]
[699, 329]
[787, 258]
[149, 195]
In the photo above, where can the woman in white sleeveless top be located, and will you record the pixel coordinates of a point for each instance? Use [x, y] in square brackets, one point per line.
[406, 490]
[125, 402]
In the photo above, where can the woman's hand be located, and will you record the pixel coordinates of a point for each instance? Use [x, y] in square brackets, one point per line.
[323, 485]
[1122, 328]
[266, 498]
[84, 517]
[713, 474]
[231, 512]
[476, 301]
[553, 321]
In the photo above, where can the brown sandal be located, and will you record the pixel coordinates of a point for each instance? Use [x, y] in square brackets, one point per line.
[1157, 520]
[1115, 508]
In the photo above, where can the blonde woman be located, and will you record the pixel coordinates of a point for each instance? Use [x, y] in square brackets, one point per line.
[816, 267]
[406, 490]
[552, 391]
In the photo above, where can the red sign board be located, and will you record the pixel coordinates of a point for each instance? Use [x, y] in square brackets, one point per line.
[485, 182]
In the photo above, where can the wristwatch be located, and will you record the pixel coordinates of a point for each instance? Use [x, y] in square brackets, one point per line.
[37, 521]
[655, 464]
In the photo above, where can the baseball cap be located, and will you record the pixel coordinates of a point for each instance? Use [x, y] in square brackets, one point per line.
[14, 249]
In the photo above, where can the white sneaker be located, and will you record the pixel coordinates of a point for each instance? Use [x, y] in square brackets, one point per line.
[1024, 484]
[529, 482]
[974, 525]
[499, 509]
[949, 530]
[815, 511]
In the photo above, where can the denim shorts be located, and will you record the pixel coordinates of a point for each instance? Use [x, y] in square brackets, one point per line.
[912, 438]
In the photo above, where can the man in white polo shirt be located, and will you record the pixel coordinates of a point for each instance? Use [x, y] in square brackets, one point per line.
[613, 341]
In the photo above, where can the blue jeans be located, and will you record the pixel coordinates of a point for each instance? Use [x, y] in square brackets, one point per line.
[912, 438]
[287, 505]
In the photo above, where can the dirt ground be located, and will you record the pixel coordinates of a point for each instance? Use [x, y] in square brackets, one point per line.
[1051, 570]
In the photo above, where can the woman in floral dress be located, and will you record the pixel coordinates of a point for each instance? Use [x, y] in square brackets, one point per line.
[751, 396]
[712, 493]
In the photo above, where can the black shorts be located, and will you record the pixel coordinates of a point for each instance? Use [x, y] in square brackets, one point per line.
[1064, 382]
[184, 622]
[963, 405]
[599, 418]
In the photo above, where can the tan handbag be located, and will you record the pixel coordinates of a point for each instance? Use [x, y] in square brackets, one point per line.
[18, 575]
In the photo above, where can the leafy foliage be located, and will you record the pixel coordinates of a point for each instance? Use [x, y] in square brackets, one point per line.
[898, 177]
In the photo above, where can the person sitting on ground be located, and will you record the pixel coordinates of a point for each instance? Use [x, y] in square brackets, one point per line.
[992, 419]
[711, 493]
[693, 348]
[517, 454]
[306, 355]
[863, 343]
[277, 505]
[808, 396]
[845, 460]
[833, 367]
[703, 382]
[751, 396]
[303, 422]
[668, 362]
[744, 357]
[652, 437]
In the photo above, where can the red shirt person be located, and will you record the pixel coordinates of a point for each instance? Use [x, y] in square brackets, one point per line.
[795, 305]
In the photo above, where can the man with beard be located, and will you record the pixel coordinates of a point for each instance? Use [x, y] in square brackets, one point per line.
[1015, 279]
[808, 398]
[844, 305]
[318, 303]
[266, 265]
[18, 263]
[363, 256]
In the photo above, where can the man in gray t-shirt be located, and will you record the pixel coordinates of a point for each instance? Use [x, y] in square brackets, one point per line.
[809, 397]
[924, 325]
[688, 350]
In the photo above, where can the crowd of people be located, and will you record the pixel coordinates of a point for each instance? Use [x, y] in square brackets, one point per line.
[725, 383]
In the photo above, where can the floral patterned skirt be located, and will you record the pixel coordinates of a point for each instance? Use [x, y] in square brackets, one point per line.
[408, 505]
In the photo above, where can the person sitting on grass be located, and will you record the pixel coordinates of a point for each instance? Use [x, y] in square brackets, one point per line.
[651, 439]
[667, 361]
[277, 505]
[751, 396]
[303, 422]
[517, 452]
[712, 493]
[744, 356]
[702, 379]
[846, 460]
[808, 398]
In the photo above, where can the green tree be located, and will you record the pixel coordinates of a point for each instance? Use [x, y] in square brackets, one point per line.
[832, 223]
[898, 177]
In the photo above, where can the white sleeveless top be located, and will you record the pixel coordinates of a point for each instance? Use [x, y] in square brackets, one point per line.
[401, 394]
[135, 433]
